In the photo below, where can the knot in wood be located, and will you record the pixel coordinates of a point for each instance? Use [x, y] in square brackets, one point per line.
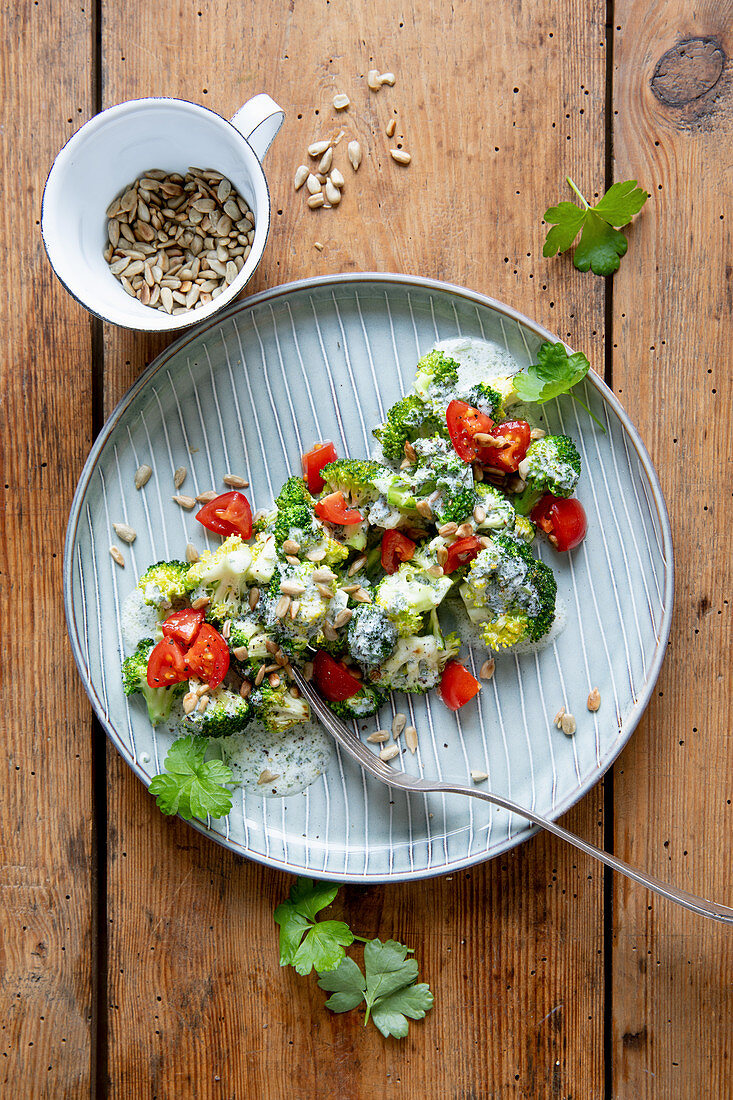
[688, 71]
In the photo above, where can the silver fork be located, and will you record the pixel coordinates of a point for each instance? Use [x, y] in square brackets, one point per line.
[394, 778]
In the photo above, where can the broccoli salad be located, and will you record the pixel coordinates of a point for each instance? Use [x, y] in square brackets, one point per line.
[367, 573]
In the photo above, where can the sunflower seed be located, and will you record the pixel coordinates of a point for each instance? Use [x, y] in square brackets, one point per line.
[282, 607]
[332, 193]
[389, 753]
[387, 78]
[234, 481]
[116, 555]
[204, 498]
[199, 602]
[487, 669]
[353, 151]
[362, 596]
[423, 508]
[342, 618]
[326, 160]
[318, 554]
[267, 777]
[260, 676]
[318, 148]
[594, 700]
[448, 529]
[336, 178]
[240, 652]
[373, 80]
[400, 155]
[318, 246]
[557, 720]
[189, 702]
[398, 724]
[357, 565]
[274, 680]
[479, 514]
[464, 530]
[341, 102]
[245, 688]
[185, 502]
[537, 433]
[179, 476]
[327, 593]
[290, 546]
[254, 595]
[411, 739]
[378, 737]
[567, 724]
[292, 588]
[391, 127]
[192, 554]
[478, 777]
[324, 574]
[127, 534]
[315, 201]
[142, 476]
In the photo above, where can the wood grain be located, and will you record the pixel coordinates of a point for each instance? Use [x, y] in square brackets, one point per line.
[46, 890]
[198, 1004]
[673, 973]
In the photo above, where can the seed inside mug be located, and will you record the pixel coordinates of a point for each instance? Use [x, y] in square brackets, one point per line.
[176, 242]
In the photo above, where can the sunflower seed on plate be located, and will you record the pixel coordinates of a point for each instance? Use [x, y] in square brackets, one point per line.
[204, 498]
[126, 533]
[142, 476]
[389, 753]
[378, 737]
[116, 554]
[568, 725]
[179, 476]
[487, 669]
[343, 618]
[185, 502]
[411, 739]
[267, 776]
[478, 776]
[594, 700]
[192, 554]
[398, 724]
[292, 588]
[234, 481]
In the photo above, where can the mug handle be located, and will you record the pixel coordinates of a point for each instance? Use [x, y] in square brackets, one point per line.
[259, 121]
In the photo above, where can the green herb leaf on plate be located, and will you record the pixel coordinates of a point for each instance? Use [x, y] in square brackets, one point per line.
[192, 787]
[554, 373]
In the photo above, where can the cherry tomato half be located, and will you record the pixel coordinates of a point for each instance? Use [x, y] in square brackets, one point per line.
[463, 423]
[462, 551]
[183, 626]
[396, 547]
[515, 440]
[228, 514]
[457, 685]
[333, 509]
[314, 460]
[166, 664]
[333, 679]
[208, 657]
[564, 520]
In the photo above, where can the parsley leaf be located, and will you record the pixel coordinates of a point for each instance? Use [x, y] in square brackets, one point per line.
[390, 988]
[192, 787]
[305, 943]
[554, 373]
[601, 244]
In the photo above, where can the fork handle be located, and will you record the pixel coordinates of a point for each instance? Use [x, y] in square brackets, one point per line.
[705, 908]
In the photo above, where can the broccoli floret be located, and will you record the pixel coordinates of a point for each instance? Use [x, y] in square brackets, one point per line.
[310, 607]
[444, 479]
[278, 709]
[499, 509]
[355, 478]
[366, 702]
[524, 529]
[264, 559]
[407, 420]
[222, 575]
[164, 582]
[226, 713]
[371, 636]
[249, 634]
[551, 465]
[405, 596]
[438, 383]
[293, 493]
[510, 591]
[416, 664]
[159, 701]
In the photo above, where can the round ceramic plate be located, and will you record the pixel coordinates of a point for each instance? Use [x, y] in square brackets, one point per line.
[324, 359]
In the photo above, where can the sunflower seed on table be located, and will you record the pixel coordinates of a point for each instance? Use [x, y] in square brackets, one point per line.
[116, 554]
[336, 178]
[373, 80]
[314, 201]
[332, 193]
[400, 156]
[341, 102]
[318, 246]
[391, 127]
[318, 148]
[142, 476]
[301, 175]
[326, 161]
[353, 151]
[126, 533]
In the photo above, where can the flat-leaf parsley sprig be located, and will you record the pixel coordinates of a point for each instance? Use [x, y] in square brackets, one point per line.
[388, 985]
[190, 785]
[554, 373]
[601, 243]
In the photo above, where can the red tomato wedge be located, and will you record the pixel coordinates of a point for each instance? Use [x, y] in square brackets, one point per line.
[462, 551]
[515, 440]
[228, 514]
[457, 685]
[183, 626]
[334, 510]
[333, 679]
[208, 657]
[564, 520]
[314, 460]
[396, 547]
[166, 664]
[463, 423]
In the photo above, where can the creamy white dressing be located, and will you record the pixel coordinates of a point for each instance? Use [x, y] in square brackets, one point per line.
[138, 620]
[478, 360]
[297, 757]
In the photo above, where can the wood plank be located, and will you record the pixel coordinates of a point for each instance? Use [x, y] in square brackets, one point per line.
[673, 979]
[46, 892]
[198, 1004]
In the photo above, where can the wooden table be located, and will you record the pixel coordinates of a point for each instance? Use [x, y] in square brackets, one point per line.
[140, 960]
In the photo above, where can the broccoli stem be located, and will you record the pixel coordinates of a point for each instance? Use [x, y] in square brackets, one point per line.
[525, 502]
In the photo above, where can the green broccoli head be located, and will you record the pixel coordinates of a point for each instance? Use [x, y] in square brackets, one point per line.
[249, 635]
[510, 591]
[498, 509]
[551, 465]
[371, 636]
[483, 397]
[366, 702]
[159, 701]
[407, 420]
[355, 478]
[226, 713]
[294, 617]
[435, 370]
[222, 575]
[405, 596]
[293, 493]
[164, 582]
[442, 477]
[278, 709]
[438, 382]
[416, 664]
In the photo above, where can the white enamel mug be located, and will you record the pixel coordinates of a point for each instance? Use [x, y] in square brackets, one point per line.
[116, 147]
